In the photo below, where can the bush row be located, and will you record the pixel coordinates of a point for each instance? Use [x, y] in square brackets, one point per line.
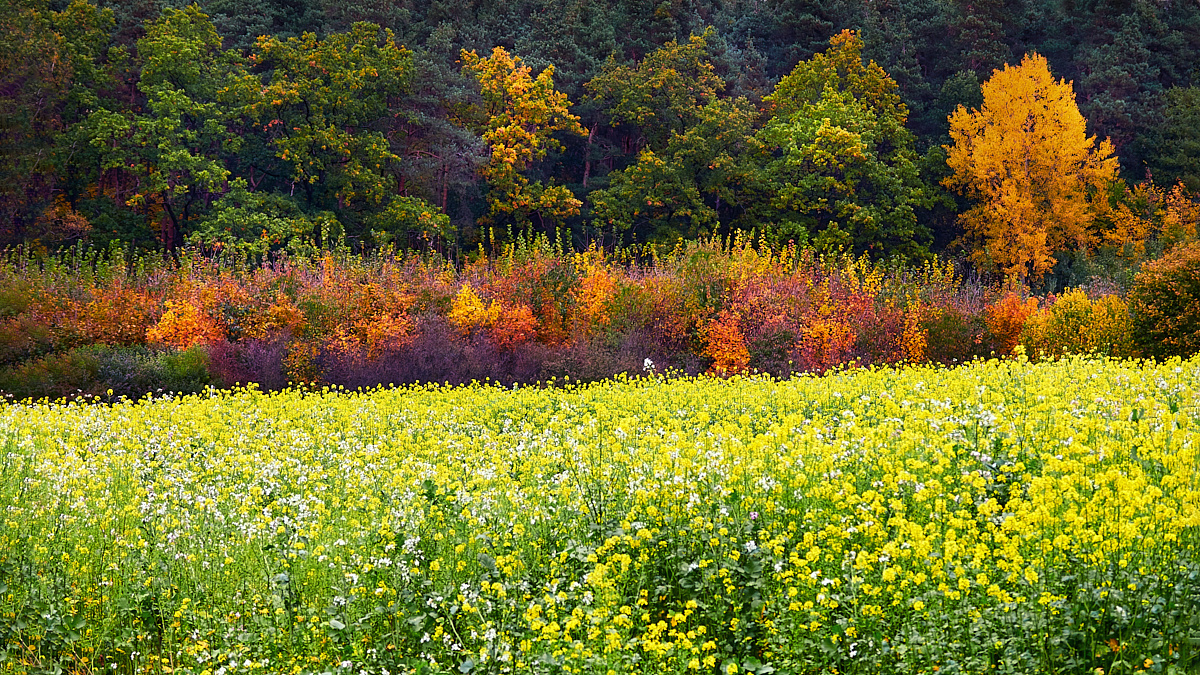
[86, 322]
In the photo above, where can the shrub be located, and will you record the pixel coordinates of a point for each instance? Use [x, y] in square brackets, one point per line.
[54, 376]
[257, 360]
[825, 342]
[15, 297]
[770, 352]
[725, 344]
[104, 371]
[1006, 319]
[1076, 324]
[953, 335]
[24, 337]
[183, 325]
[1165, 303]
[184, 371]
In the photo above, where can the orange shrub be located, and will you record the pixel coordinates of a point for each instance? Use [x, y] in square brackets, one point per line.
[914, 339]
[385, 333]
[1006, 319]
[282, 315]
[115, 316]
[596, 289]
[514, 326]
[725, 344]
[183, 326]
[824, 343]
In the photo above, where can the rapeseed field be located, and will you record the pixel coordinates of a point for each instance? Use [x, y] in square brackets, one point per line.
[1001, 517]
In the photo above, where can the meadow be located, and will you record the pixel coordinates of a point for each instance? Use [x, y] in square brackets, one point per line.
[999, 517]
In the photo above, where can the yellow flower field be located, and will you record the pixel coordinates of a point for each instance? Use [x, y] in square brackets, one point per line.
[1001, 517]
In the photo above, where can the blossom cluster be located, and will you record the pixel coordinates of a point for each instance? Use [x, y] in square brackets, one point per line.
[1004, 516]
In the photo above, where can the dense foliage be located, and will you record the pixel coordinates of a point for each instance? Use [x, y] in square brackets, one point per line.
[1002, 517]
[1166, 303]
[107, 323]
[440, 125]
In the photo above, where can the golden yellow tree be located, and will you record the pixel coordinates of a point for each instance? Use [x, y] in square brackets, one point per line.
[523, 114]
[1026, 159]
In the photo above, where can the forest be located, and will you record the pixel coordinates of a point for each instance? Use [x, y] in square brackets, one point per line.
[446, 126]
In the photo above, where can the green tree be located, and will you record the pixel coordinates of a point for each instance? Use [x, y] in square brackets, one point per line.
[979, 26]
[326, 110]
[172, 143]
[688, 140]
[662, 94]
[1119, 88]
[1174, 149]
[678, 190]
[840, 170]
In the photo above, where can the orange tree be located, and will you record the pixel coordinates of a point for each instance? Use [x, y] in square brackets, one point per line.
[1037, 179]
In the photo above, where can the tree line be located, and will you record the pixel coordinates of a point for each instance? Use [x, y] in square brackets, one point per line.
[861, 127]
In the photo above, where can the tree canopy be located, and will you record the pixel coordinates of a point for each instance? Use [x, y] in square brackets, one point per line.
[443, 125]
[1027, 161]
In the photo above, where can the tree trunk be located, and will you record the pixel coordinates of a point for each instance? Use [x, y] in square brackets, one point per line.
[587, 156]
[445, 184]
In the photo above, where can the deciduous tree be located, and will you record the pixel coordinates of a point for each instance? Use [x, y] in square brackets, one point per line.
[1036, 176]
[326, 110]
[172, 143]
[841, 170]
[688, 139]
[523, 113]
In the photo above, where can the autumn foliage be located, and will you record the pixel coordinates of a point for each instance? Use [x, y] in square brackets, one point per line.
[523, 113]
[1037, 178]
[535, 311]
[1165, 301]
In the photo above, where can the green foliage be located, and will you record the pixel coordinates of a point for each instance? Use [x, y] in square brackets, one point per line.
[409, 216]
[172, 147]
[664, 93]
[1165, 302]
[14, 297]
[103, 371]
[840, 67]
[841, 170]
[677, 191]
[326, 111]
[47, 66]
[1174, 150]
[127, 121]
[690, 144]
[1120, 90]
[254, 222]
